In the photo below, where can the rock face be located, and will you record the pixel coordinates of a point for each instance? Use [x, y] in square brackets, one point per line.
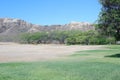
[16, 26]
[83, 26]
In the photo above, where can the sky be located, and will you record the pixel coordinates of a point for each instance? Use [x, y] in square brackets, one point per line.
[48, 12]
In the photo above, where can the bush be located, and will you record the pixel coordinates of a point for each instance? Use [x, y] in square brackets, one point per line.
[93, 40]
[33, 38]
[70, 41]
[110, 40]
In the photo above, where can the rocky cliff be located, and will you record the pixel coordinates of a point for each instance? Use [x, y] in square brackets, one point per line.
[16, 26]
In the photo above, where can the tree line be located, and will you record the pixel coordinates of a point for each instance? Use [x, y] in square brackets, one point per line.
[66, 37]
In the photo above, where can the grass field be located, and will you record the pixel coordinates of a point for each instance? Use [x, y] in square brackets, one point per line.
[83, 65]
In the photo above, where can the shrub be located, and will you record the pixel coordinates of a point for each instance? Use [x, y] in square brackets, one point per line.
[110, 40]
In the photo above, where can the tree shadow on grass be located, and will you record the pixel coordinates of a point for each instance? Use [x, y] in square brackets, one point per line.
[114, 55]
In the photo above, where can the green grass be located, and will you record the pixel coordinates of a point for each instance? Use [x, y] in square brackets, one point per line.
[83, 65]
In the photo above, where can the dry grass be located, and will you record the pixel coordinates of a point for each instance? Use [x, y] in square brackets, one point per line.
[12, 52]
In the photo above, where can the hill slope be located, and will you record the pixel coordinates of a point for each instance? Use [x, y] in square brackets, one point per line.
[16, 26]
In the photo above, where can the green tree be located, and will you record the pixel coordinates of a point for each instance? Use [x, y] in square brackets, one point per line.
[109, 20]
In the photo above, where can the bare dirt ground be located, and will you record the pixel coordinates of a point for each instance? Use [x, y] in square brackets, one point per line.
[12, 52]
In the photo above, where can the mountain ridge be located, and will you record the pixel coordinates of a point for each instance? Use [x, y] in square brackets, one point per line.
[11, 26]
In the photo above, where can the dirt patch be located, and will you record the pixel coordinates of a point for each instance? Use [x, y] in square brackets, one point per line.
[11, 52]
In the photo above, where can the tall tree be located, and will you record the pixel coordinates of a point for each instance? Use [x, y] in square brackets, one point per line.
[109, 20]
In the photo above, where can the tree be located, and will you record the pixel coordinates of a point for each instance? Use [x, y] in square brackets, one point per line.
[109, 20]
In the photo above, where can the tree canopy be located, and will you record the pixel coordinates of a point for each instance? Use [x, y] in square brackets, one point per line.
[109, 20]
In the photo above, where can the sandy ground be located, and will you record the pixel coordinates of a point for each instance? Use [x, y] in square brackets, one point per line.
[12, 52]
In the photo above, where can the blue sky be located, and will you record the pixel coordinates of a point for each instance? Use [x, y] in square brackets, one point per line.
[47, 12]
